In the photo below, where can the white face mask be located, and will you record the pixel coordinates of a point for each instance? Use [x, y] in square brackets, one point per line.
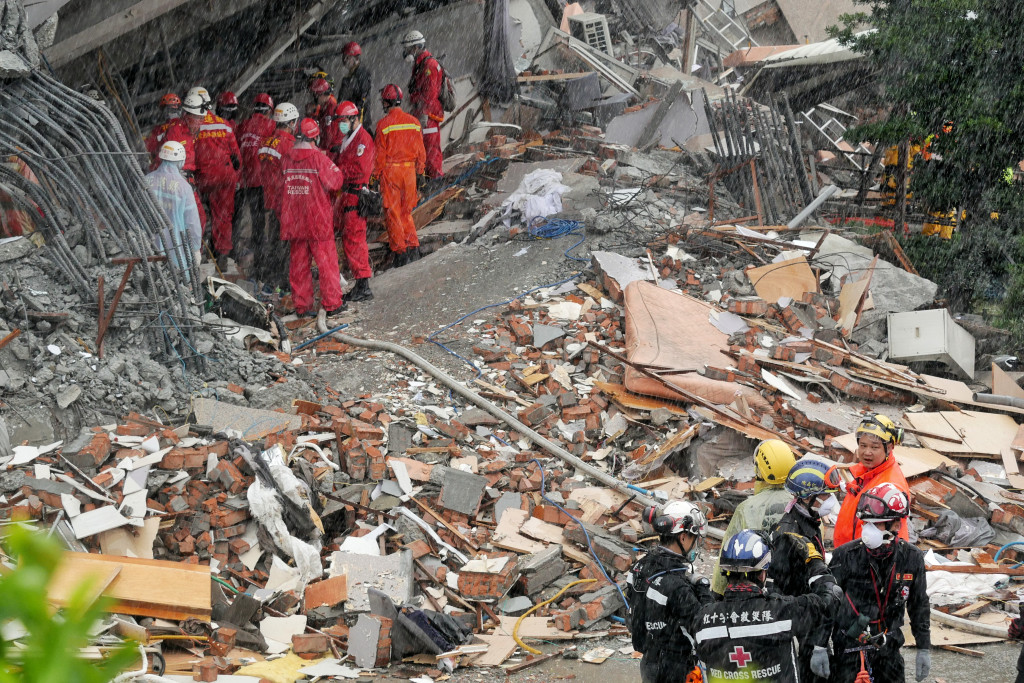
[874, 537]
[410, 58]
[826, 508]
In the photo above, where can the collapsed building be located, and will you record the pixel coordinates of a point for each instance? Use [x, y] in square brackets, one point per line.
[702, 288]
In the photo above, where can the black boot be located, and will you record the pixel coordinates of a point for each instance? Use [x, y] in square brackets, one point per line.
[414, 253]
[361, 292]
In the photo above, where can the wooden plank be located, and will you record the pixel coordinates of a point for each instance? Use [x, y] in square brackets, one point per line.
[851, 297]
[148, 588]
[542, 531]
[1009, 461]
[500, 647]
[507, 537]
[553, 77]
[985, 433]
[619, 394]
[1003, 384]
[425, 213]
[963, 650]
[974, 569]
[789, 278]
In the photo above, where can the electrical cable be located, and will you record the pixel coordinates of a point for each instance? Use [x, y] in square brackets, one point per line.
[586, 534]
[551, 229]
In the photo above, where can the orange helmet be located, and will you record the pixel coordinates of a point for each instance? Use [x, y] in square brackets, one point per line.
[351, 50]
[391, 94]
[170, 100]
[346, 109]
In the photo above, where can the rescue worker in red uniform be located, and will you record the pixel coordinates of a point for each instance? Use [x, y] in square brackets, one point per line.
[307, 221]
[355, 86]
[270, 255]
[170, 107]
[425, 97]
[324, 103]
[218, 161]
[227, 109]
[352, 150]
[400, 157]
[250, 214]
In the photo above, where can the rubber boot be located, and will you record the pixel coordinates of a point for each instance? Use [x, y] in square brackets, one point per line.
[361, 292]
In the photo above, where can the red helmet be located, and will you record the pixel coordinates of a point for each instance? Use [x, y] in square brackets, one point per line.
[391, 93]
[264, 99]
[227, 98]
[351, 50]
[170, 100]
[319, 86]
[346, 109]
[309, 129]
[882, 503]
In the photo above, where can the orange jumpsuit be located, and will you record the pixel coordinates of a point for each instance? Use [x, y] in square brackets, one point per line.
[847, 525]
[400, 158]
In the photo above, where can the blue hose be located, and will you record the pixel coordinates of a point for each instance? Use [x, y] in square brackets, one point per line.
[320, 336]
[1000, 551]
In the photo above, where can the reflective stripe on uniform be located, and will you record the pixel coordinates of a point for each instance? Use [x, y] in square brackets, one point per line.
[761, 629]
[428, 131]
[713, 632]
[301, 171]
[657, 596]
[401, 126]
[215, 126]
[271, 151]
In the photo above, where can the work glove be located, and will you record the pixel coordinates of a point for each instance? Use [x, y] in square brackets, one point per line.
[924, 665]
[1016, 630]
[819, 662]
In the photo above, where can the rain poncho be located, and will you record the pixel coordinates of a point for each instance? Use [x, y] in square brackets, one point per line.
[760, 512]
[174, 195]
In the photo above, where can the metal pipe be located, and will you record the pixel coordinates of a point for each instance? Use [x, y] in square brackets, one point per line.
[999, 400]
[482, 403]
[813, 206]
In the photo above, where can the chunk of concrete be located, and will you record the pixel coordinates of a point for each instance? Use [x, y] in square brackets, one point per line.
[391, 574]
[515, 606]
[508, 500]
[462, 491]
[541, 569]
[542, 334]
[362, 641]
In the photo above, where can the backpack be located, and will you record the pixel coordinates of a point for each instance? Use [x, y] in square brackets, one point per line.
[447, 95]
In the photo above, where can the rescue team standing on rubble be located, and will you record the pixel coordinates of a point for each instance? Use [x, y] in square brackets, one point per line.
[785, 612]
[283, 179]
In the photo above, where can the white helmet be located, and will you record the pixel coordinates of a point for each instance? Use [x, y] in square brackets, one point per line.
[413, 38]
[202, 92]
[172, 151]
[193, 104]
[286, 112]
[676, 517]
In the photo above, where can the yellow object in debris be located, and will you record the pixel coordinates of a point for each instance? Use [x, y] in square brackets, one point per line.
[283, 670]
[515, 629]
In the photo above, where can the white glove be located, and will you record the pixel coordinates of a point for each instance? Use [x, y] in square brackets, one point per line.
[924, 664]
[819, 662]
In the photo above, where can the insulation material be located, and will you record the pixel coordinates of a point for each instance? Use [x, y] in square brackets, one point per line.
[267, 509]
[671, 331]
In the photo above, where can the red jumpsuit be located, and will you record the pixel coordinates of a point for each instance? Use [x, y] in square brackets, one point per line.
[271, 154]
[425, 100]
[324, 114]
[156, 138]
[270, 256]
[179, 131]
[400, 157]
[249, 209]
[216, 156]
[307, 222]
[353, 154]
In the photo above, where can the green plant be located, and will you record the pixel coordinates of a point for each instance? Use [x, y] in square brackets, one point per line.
[53, 640]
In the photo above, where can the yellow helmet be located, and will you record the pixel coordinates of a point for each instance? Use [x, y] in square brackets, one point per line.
[882, 427]
[773, 460]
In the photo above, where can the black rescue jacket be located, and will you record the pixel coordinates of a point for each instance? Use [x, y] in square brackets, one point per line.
[748, 635]
[881, 590]
[797, 553]
[664, 596]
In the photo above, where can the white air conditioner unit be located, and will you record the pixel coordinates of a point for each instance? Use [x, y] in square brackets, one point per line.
[592, 29]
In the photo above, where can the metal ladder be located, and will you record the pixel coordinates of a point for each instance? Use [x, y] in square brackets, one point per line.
[823, 119]
[727, 33]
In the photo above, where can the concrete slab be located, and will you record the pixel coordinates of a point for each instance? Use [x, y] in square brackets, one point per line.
[508, 500]
[462, 491]
[391, 574]
[362, 641]
[542, 334]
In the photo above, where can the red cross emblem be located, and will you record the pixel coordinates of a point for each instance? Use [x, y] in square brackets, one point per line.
[740, 657]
